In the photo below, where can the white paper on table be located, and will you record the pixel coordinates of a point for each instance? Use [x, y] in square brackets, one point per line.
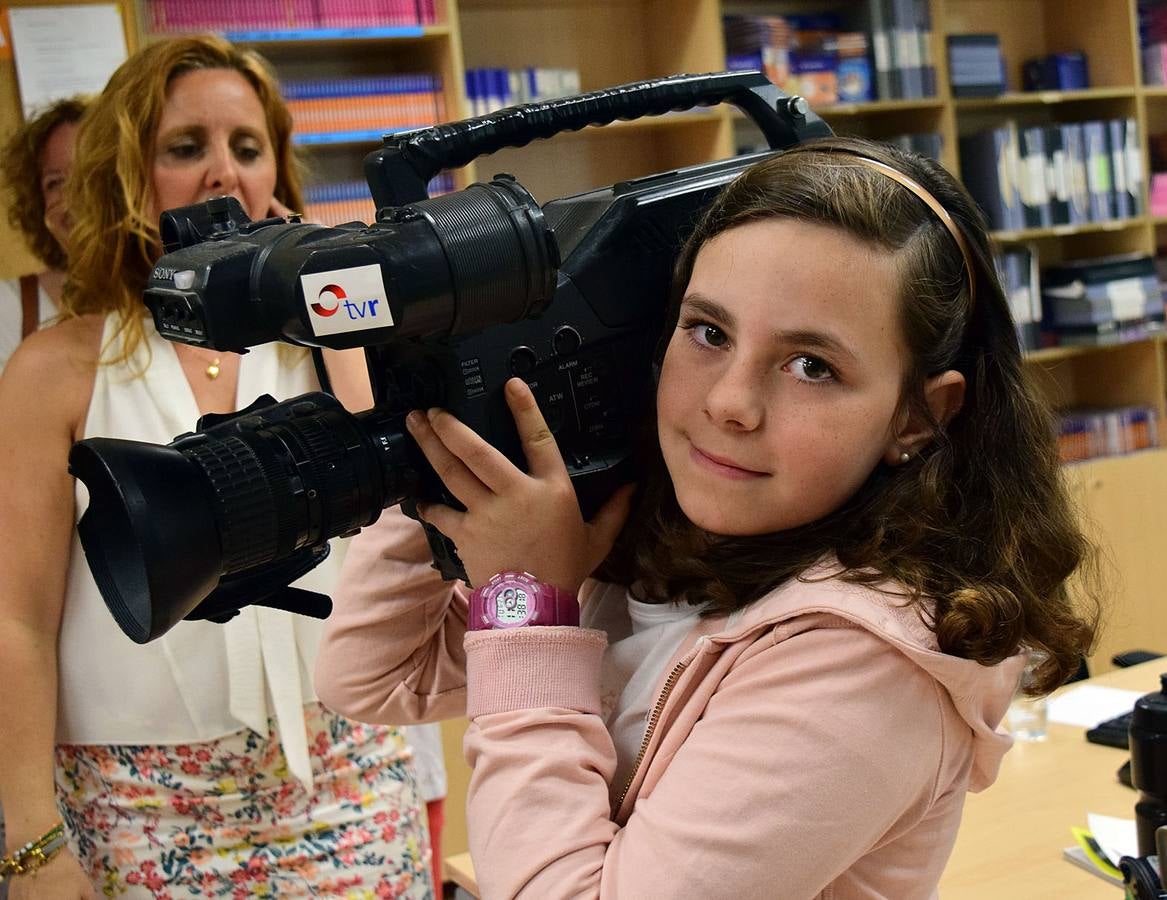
[1089, 704]
[1116, 837]
[64, 50]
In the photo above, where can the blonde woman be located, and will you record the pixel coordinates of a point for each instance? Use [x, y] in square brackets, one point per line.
[200, 763]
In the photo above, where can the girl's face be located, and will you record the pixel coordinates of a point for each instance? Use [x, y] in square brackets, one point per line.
[213, 140]
[56, 161]
[780, 389]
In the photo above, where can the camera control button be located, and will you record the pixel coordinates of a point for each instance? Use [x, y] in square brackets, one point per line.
[523, 361]
[566, 340]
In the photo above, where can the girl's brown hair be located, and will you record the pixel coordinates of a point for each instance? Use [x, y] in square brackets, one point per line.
[114, 236]
[20, 164]
[978, 528]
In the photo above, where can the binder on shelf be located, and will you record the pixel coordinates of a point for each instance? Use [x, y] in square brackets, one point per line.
[1075, 143]
[988, 161]
[1133, 157]
[908, 49]
[927, 58]
[1116, 147]
[1057, 178]
[1034, 186]
[1099, 180]
[880, 40]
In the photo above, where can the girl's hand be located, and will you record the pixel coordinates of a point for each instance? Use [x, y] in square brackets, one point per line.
[514, 520]
[61, 878]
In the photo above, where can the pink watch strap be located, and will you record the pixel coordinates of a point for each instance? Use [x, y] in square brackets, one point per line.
[551, 605]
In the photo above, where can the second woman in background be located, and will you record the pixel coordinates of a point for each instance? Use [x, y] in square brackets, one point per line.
[35, 164]
[200, 763]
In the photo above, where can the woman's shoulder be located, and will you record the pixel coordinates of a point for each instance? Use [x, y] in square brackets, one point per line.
[77, 337]
[57, 364]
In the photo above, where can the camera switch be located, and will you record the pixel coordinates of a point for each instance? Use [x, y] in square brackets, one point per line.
[523, 361]
[566, 341]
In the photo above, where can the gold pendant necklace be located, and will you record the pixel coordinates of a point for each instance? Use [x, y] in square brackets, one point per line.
[213, 369]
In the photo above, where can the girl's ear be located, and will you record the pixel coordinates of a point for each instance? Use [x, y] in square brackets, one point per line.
[944, 394]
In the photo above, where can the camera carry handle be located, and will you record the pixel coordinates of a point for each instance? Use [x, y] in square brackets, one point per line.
[399, 172]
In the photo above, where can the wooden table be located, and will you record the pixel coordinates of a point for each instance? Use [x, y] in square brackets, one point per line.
[1011, 839]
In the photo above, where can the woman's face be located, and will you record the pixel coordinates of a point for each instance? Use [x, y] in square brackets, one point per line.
[213, 140]
[55, 162]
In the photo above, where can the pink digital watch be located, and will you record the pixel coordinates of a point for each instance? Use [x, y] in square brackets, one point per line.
[514, 599]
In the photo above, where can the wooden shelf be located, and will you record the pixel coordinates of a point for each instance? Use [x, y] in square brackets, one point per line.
[1061, 231]
[1044, 98]
[880, 107]
[340, 37]
[1048, 355]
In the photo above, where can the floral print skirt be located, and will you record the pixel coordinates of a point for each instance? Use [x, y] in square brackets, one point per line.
[225, 818]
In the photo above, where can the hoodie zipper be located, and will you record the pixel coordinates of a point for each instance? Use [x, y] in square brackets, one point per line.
[653, 718]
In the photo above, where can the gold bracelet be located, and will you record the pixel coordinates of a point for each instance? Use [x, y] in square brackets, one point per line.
[34, 854]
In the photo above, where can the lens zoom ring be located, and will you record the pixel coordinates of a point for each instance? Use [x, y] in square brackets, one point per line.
[247, 523]
[334, 481]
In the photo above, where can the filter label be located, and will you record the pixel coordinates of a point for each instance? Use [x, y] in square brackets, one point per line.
[344, 300]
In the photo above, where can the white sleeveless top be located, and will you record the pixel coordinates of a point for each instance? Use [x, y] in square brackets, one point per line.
[201, 680]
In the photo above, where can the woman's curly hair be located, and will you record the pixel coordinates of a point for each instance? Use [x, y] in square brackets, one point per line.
[20, 163]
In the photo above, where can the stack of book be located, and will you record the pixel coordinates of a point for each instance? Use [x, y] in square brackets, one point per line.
[491, 89]
[170, 16]
[759, 42]
[814, 56]
[358, 109]
[1066, 71]
[1046, 175]
[349, 201]
[1105, 300]
[1091, 433]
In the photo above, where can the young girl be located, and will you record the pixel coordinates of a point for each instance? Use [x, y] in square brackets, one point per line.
[795, 657]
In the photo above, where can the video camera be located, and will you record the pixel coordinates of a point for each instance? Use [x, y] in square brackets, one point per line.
[450, 296]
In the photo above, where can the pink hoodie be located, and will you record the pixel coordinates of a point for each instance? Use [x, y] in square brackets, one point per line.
[821, 746]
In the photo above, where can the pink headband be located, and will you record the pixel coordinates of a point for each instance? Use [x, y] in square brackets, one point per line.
[932, 203]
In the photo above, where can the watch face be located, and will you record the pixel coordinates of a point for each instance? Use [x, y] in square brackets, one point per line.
[510, 604]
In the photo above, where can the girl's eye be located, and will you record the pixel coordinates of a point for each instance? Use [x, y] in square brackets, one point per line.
[810, 369]
[705, 335]
[248, 153]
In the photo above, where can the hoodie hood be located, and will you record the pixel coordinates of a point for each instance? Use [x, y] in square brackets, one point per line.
[981, 694]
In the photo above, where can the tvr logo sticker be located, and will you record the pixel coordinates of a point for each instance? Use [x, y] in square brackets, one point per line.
[343, 300]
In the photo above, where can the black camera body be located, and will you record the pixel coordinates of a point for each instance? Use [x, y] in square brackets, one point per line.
[450, 297]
